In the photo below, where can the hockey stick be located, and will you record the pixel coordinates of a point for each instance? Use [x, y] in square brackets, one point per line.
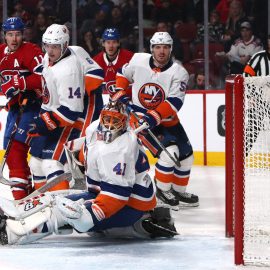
[3, 180]
[175, 160]
[54, 181]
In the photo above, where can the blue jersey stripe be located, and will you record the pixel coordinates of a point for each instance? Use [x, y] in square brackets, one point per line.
[176, 102]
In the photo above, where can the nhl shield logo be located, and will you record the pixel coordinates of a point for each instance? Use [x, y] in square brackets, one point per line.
[151, 95]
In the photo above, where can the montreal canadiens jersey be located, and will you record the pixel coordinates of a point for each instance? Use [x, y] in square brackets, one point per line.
[118, 170]
[154, 88]
[24, 62]
[110, 68]
[64, 85]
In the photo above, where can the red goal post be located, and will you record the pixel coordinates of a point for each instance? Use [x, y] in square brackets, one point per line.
[248, 168]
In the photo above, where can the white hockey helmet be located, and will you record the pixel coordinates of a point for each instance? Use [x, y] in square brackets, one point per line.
[57, 34]
[113, 121]
[161, 38]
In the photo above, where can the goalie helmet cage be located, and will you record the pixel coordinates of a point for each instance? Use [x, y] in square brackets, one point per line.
[248, 168]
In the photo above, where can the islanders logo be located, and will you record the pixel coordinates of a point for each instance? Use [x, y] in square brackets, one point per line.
[46, 93]
[151, 95]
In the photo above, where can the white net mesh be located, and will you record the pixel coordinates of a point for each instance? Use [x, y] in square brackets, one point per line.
[257, 171]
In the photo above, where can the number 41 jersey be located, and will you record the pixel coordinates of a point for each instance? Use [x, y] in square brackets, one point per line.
[119, 170]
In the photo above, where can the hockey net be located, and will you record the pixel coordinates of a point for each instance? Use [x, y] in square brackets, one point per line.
[248, 168]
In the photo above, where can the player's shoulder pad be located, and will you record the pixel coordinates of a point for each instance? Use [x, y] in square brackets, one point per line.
[138, 58]
[82, 54]
[180, 71]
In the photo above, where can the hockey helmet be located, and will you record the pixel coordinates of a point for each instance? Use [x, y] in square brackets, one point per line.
[161, 38]
[111, 34]
[113, 121]
[57, 34]
[13, 24]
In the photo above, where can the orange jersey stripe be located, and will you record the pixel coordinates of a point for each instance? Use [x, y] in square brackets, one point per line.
[180, 181]
[90, 112]
[147, 144]
[92, 84]
[142, 205]
[108, 204]
[165, 178]
[60, 145]
[165, 110]
[121, 82]
[62, 122]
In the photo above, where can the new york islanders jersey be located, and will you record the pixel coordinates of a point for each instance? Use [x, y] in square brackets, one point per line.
[24, 62]
[118, 170]
[157, 89]
[110, 68]
[64, 85]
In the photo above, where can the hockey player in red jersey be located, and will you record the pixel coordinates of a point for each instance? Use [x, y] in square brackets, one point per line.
[158, 92]
[19, 62]
[112, 58]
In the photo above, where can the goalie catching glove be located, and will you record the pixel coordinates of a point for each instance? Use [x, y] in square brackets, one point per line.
[13, 86]
[43, 125]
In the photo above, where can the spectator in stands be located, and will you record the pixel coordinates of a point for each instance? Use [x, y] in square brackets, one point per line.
[243, 48]
[89, 42]
[232, 28]
[165, 11]
[40, 26]
[116, 21]
[215, 29]
[197, 80]
[28, 35]
[98, 23]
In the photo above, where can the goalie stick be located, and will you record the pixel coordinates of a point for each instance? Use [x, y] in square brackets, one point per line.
[174, 159]
[3, 180]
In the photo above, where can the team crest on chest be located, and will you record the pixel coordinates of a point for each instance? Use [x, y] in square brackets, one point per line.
[46, 93]
[110, 87]
[151, 95]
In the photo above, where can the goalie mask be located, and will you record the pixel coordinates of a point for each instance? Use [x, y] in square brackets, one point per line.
[113, 121]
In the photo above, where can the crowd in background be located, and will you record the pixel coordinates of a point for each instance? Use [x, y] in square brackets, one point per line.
[183, 19]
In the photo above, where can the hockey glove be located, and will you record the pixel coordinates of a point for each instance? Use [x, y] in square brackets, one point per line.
[18, 82]
[152, 118]
[121, 96]
[43, 125]
[8, 89]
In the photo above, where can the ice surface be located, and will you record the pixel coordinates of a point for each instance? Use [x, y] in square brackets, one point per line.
[200, 245]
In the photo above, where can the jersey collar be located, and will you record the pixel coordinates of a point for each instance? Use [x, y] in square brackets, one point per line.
[168, 65]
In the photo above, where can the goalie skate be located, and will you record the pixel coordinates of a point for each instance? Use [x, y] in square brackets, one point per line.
[161, 228]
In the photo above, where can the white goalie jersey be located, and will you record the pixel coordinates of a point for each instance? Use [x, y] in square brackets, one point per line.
[118, 170]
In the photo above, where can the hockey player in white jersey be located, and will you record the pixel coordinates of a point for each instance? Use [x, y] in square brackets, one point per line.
[158, 92]
[120, 198]
[69, 77]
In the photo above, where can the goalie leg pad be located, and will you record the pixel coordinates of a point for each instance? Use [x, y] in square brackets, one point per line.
[32, 219]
